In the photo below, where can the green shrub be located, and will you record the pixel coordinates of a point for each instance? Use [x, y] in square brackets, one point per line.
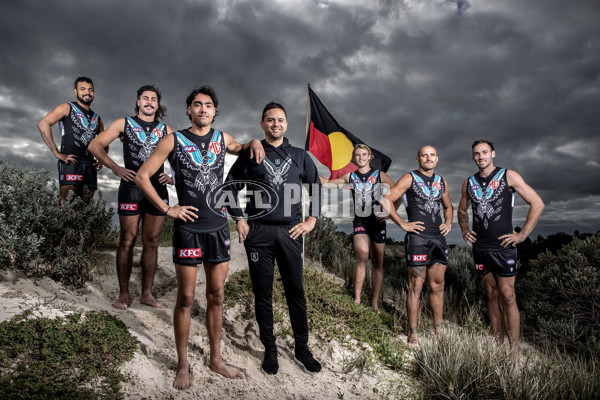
[42, 237]
[76, 357]
[560, 298]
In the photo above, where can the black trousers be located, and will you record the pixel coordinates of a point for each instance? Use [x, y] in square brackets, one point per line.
[266, 244]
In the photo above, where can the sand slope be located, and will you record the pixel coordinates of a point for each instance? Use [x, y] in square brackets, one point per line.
[153, 367]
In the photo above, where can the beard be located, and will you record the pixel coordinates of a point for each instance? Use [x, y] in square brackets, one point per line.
[86, 102]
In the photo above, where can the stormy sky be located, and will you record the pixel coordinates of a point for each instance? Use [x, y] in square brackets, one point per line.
[398, 74]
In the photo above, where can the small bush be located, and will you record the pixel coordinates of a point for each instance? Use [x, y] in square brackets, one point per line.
[560, 298]
[76, 357]
[42, 237]
[332, 248]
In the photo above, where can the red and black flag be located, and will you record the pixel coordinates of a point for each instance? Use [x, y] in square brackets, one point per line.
[332, 145]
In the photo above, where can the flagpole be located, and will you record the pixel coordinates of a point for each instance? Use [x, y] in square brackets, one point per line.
[305, 136]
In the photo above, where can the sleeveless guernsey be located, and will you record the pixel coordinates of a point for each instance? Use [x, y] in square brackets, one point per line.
[198, 164]
[77, 131]
[492, 203]
[366, 193]
[140, 138]
[423, 201]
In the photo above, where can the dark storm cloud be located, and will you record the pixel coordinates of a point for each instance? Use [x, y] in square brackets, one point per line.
[525, 75]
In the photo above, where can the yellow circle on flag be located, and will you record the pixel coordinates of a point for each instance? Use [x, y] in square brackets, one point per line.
[341, 150]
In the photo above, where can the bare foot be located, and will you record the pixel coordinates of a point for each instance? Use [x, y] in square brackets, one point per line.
[227, 371]
[413, 342]
[183, 378]
[375, 308]
[123, 302]
[152, 302]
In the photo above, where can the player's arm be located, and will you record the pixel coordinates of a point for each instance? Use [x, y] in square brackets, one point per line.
[386, 180]
[45, 127]
[448, 211]
[149, 168]
[256, 148]
[392, 197]
[97, 164]
[98, 147]
[462, 215]
[163, 178]
[310, 175]
[536, 206]
[334, 183]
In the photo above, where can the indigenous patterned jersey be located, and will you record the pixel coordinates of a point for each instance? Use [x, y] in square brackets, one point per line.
[197, 163]
[139, 141]
[423, 201]
[492, 202]
[366, 191]
[77, 131]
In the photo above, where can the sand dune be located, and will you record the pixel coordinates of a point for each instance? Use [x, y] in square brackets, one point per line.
[153, 367]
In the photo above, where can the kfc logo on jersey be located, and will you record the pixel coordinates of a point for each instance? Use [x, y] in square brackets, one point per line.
[189, 253]
[214, 148]
[74, 178]
[190, 149]
[494, 184]
[510, 262]
[359, 229]
[419, 257]
[372, 180]
[479, 267]
[128, 207]
[436, 185]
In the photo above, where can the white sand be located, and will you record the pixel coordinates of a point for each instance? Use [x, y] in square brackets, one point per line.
[153, 367]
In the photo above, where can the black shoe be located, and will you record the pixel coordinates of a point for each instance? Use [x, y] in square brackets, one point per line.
[305, 359]
[270, 365]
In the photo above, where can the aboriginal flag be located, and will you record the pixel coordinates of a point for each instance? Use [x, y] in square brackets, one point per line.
[332, 145]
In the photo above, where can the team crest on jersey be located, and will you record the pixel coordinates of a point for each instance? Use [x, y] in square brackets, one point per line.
[203, 161]
[364, 191]
[143, 143]
[428, 198]
[487, 201]
[87, 126]
[278, 173]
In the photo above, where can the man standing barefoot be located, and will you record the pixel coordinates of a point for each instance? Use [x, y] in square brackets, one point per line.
[491, 193]
[201, 231]
[140, 136]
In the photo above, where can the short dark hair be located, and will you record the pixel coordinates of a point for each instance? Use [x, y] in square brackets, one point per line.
[482, 141]
[161, 111]
[82, 79]
[205, 90]
[271, 105]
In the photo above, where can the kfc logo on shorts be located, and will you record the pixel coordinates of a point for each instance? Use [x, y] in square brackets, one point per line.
[419, 257]
[128, 207]
[227, 242]
[372, 180]
[479, 267]
[74, 178]
[189, 253]
[190, 149]
[359, 229]
[214, 147]
[436, 186]
[494, 184]
[510, 262]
